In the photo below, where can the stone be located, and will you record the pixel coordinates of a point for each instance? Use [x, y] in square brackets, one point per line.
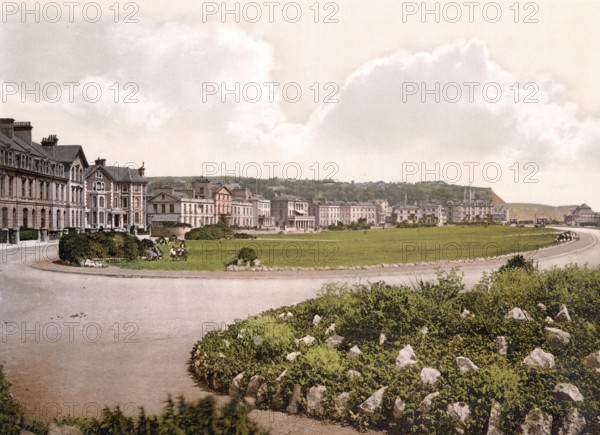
[308, 340]
[537, 422]
[353, 374]
[235, 389]
[502, 346]
[291, 357]
[542, 307]
[334, 340]
[255, 382]
[330, 329]
[427, 403]
[460, 414]
[572, 424]
[549, 320]
[406, 357]
[557, 336]
[540, 360]
[465, 364]
[495, 421]
[54, 429]
[262, 394]
[258, 340]
[429, 375]
[278, 402]
[25, 432]
[563, 315]
[373, 403]
[593, 361]
[382, 339]
[567, 392]
[227, 343]
[316, 320]
[292, 407]
[314, 400]
[353, 353]
[519, 315]
[342, 405]
[424, 330]
[466, 314]
[399, 407]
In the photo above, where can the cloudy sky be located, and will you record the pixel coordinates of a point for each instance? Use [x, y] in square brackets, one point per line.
[502, 94]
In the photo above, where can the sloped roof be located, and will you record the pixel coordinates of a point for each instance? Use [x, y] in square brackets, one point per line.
[68, 153]
[118, 173]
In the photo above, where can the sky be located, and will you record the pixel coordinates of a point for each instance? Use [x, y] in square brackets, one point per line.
[493, 94]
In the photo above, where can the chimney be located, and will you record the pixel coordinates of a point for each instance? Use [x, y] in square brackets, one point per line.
[100, 162]
[142, 170]
[23, 131]
[7, 126]
[50, 141]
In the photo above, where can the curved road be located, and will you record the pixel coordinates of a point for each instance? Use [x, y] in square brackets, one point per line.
[72, 343]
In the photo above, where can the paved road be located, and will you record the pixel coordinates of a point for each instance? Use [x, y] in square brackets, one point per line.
[73, 343]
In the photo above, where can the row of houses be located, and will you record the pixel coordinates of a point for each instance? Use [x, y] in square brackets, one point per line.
[210, 202]
[581, 216]
[52, 187]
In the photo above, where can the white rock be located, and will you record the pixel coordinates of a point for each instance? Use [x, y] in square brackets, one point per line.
[549, 320]
[540, 360]
[460, 414]
[427, 403]
[314, 400]
[495, 421]
[465, 364]
[557, 336]
[317, 319]
[567, 392]
[466, 313]
[541, 307]
[308, 340]
[563, 315]
[406, 357]
[292, 356]
[537, 422]
[593, 361]
[373, 403]
[572, 424]
[382, 339]
[424, 330]
[353, 374]
[330, 330]
[429, 375]
[342, 405]
[399, 407]
[335, 340]
[519, 315]
[235, 390]
[502, 346]
[353, 353]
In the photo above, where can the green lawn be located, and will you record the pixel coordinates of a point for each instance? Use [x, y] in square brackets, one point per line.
[358, 248]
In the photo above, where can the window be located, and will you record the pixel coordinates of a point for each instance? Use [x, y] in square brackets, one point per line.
[94, 202]
[162, 209]
[171, 208]
[99, 174]
[101, 202]
[136, 202]
[155, 206]
[137, 218]
[124, 203]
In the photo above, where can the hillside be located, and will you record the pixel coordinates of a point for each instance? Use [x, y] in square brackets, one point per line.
[395, 193]
[524, 211]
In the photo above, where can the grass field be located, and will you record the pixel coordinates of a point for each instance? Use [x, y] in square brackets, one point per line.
[361, 248]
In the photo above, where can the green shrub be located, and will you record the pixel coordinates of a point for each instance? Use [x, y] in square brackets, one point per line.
[428, 317]
[211, 232]
[11, 414]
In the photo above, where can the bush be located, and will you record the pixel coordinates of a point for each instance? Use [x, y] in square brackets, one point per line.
[211, 232]
[428, 317]
[11, 414]
[28, 234]
[73, 247]
[247, 255]
[518, 262]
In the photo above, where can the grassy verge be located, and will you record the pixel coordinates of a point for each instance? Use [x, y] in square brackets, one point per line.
[362, 248]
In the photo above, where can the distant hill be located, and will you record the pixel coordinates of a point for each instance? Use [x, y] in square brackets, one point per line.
[395, 193]
[523, 211]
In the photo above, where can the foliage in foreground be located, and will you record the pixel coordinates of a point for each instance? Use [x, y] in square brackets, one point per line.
[11, 414]
[179, 417]
[428, 317]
